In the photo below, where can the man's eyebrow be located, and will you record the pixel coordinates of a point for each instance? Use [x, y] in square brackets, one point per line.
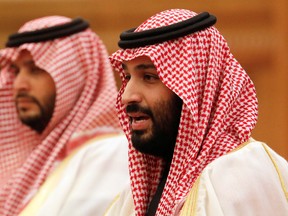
[145, 66]
[27, 63]
[140, 66]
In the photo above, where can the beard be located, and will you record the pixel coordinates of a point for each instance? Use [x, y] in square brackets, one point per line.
[39, 121]
[160, 139]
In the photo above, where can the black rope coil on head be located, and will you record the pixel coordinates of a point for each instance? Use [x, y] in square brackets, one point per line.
[131, 39]
[50, 33]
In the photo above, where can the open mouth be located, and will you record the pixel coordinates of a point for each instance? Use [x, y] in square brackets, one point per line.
[139, 121]
[140, 118]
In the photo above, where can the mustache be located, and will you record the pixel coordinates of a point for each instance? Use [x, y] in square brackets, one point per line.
[137, 108]
[25, 95]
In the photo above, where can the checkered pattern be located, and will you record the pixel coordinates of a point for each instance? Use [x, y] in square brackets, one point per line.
[86, 94]
[219, 108]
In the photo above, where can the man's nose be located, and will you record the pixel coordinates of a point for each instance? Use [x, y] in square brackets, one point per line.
[132, 93]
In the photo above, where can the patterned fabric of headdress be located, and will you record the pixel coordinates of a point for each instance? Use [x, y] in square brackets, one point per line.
[85, 101]
[218, 114]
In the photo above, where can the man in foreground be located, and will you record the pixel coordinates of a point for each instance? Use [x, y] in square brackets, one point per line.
[188, 108]
[61, 146]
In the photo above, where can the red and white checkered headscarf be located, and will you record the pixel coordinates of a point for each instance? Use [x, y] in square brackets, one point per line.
[219, 108]
[85, 101]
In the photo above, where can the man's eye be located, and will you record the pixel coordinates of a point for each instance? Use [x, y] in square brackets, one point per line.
[14, 69]
[127, 77]
[36, 70]
[149, 77]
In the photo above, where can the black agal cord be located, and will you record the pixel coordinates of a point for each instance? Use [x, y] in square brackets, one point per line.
[49, 33]
[131, 39]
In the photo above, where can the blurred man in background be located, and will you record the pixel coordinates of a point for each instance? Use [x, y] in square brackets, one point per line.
[61, 146]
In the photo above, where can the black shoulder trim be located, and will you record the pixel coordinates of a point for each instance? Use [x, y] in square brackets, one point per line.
[50, 33]
[131, 39]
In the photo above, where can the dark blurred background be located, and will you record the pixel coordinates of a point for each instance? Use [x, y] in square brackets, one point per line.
[256, 31]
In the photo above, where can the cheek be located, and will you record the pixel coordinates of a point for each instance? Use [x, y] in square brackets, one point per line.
[161, 96]
[166, 95]
[45, 90]
[47, 84]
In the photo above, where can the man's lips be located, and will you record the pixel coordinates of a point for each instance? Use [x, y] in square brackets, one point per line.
[24, 102]
[139, 121]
